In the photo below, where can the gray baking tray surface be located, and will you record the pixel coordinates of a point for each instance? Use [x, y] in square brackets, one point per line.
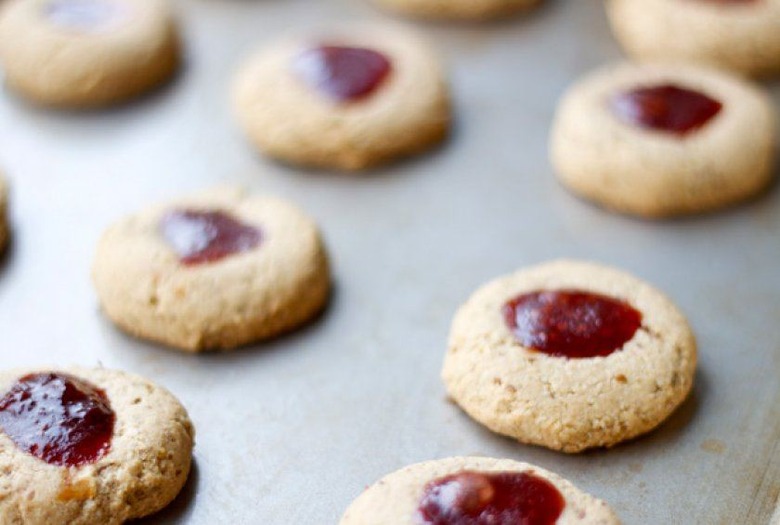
[290, 431]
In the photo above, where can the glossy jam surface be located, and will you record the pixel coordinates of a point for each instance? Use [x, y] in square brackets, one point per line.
[571, 323]
[58, 418]
[496, 498]
[83, 15]
[344, 74]
[666, 108]
[207, 236]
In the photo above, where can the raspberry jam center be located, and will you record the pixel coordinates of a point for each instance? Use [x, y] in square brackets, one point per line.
[81, 14]
[481, 498]
[571, 323]
[207, 236]
[667, 108]
[58, 418]
[342, 73]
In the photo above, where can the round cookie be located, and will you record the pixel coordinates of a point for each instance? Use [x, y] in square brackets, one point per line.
[397, 499]
[664, 140]
[4, 228]
[457, 9]
[349, 101]
[546, 384]
[740, 35]
[86, 53]
[126, 455]
[215, 270]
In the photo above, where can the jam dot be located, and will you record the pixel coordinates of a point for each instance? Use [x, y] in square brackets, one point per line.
[207, 236]
[666, 108]
[481, 498]
[571, 323]
[58, 418]
[342, 73]
[81, 14]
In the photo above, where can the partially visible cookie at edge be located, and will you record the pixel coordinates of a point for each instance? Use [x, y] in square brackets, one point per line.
[457, 9]
[402, 497]
[126, 453]
[215, 270]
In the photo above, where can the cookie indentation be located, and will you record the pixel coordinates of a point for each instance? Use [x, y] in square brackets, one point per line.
[342, 73]
[481, 498]
[571, 323]
[207, 236]
[58, 418]
[667, 107]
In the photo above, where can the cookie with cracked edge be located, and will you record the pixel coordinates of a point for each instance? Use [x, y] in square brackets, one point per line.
[144, 467]
[569, 404]
[394, 500]
[276, 279]
[87, 53]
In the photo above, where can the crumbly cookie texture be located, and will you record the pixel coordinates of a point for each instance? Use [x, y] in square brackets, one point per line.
[655, 174]
[393, 500]
[286, 119]
[569, 404]
[457, 9]
[76, 67]
[742, 37]
[4, 228]
[145, 468]
[242, 298]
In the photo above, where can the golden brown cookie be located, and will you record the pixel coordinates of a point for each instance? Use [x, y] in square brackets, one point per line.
[569, 355]
[348, 101]
[88, 446]
[741, 36]
[86, 53]
[487, 488]
[215, 270]
[662, 140]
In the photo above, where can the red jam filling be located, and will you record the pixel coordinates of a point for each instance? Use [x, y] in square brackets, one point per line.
[342, 73]
[667, 108]
[481, 498]
[81, 14]
[58, 418]
[571, 323]
[207, 236]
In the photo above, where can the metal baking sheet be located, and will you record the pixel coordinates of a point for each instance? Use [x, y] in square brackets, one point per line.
[289, 432]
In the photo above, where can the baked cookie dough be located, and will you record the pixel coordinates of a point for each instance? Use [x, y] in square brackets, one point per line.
[443, 491]
[86, 53]
[4, 228]
[740, 35]
[215, 270]
[348, 101]
[457, 9]
[664, 140]
[88, 446]
[569, 355]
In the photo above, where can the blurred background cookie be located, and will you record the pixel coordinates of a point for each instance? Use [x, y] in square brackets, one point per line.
[660, 140]
[475, 490]
[457, 9]
[83, 53]
[89, 446]
[215, 270]
[569, 355]
[742, 36]
[347, 101]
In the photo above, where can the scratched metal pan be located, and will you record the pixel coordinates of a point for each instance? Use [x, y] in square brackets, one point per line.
[290, 431]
